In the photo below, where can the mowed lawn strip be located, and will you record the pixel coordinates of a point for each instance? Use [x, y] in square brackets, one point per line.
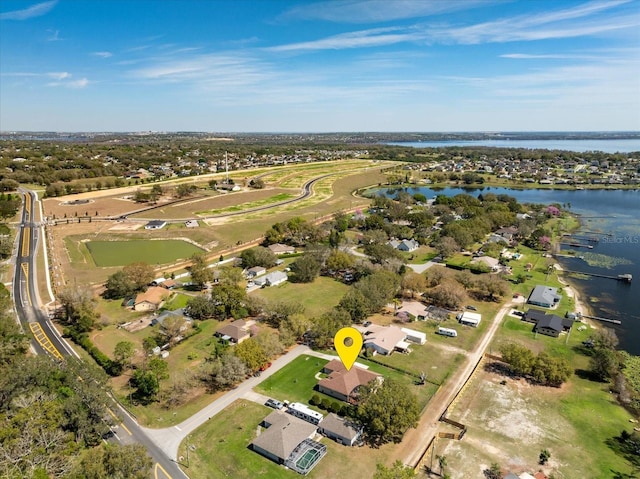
[122, 253]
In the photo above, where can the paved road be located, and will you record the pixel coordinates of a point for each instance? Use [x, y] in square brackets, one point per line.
[415, 441]
[169, 439]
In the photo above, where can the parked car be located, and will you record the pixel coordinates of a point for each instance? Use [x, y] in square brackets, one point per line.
[519, 313]
[472, 308]
[274, 404]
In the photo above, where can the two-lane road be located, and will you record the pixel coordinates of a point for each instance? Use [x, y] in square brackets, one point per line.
[46, 339]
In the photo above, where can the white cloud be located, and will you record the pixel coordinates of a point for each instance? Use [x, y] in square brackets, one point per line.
[367, 11]
[36, 10]
[59, 75]
[365, 38]
[80, 83]
[103, 54]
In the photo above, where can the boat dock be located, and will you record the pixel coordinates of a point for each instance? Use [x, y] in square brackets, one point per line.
[577, 245]
[604, 320]
[621, 277]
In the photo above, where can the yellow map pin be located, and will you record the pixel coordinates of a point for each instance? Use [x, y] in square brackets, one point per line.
[348, 343]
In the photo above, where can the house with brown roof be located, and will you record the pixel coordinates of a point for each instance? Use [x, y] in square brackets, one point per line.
[342, 384]
[151, 300]
[236, 332]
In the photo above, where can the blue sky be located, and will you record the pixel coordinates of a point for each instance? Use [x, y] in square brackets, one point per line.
[303, 66]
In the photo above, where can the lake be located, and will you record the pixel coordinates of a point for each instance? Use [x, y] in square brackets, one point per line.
[616, 212]
[607, 146]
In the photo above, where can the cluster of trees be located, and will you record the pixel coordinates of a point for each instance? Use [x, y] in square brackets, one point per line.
[619, 368]
[450, 289]
[542, 369]
[131, 279]
[297, 232]
[52, 424]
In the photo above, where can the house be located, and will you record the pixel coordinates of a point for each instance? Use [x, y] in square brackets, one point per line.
[342, 384]
[544, 296]
[283, 435]
[155, 225]
[279, 248]
[151, 300]
[404, 245]
[272, 279]
[169, 283]
[236, 332]
[552, 325]
[191, 223]
[469, 318]
[255, 271]
[340, 429]
[383, 340]
[414, 308]
[491, 263]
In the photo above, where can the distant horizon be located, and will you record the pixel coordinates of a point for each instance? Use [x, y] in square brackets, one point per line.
[398, 132]
[319, 66]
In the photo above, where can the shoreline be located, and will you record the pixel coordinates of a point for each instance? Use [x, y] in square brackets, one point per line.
[574, 292]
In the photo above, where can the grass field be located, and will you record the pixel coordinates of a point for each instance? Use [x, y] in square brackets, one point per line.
[121, 253]
[296, 381]
[317, 297]
[219, 449]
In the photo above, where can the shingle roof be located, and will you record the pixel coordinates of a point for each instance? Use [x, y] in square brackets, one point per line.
[153, 294]
[235, 330]
[344, 382]
[283, 435]
[340, 427]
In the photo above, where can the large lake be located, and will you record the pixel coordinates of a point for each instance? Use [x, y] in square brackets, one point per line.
[607, 146]
[607, 211]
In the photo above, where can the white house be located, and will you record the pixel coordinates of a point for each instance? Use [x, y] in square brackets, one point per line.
[155, 225]
[271, 279]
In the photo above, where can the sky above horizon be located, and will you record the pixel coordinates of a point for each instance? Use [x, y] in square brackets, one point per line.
[328, 66]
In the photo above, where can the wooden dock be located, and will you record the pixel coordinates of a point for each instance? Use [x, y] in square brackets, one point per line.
[604, 320]
[621, 277]
[577, 245]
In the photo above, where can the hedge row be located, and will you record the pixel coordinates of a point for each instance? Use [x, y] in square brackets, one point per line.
[112, 368]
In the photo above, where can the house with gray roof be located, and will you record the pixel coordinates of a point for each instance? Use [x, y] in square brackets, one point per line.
[340, 429]
[544, 296]
[283, 434]
[271, 279]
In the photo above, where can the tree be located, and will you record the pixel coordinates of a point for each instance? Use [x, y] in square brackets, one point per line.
[139, 273]
[446, 246]
[252, 354]
[171, 328]
[305, 269]
[200, 273]
[258, 256]
[113, 461]
[386, 411]
[339, 260]
[200, 307]
[146, 384]
[544, 457]
[325, 327]
[6, 246]
[123, 352]
[396, 471]
[118, 285]
[276, 312]
[78, 308]
[412, 284]
[223, 372]
[8, 206]
[184, 189]
[355, 304]
[448, 294]
[13, 343]
[228, 300]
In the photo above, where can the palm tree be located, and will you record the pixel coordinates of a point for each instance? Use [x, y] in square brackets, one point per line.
[442, 463]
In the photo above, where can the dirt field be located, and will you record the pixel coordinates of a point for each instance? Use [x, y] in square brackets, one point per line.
[511, 423]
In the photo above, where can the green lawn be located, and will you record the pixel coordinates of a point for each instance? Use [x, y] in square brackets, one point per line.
[219, 449]
[294, 382]
[317, 297]
[153, 252]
